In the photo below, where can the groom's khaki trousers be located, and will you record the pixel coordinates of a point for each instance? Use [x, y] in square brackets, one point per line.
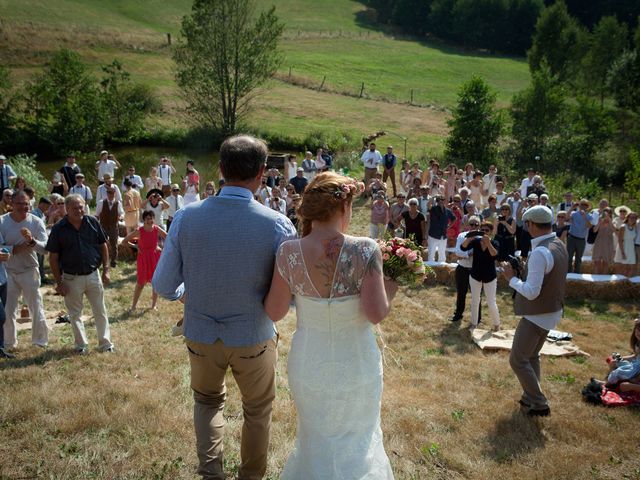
[254, 369]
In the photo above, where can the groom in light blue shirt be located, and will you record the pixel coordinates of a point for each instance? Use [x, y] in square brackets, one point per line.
[219, 258]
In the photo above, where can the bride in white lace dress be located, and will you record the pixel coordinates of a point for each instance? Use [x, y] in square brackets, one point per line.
[334, 366]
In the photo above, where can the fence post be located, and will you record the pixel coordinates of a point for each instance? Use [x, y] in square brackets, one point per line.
[289, 73]
[411, 102]
[361, 89]
[322, 84]
[168, 39]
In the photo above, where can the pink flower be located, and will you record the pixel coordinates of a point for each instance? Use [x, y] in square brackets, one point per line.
[400, 252]
[412, 256]
[385, 256]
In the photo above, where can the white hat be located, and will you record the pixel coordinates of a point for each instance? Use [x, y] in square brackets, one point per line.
[532, 196]
[2, 157]
[538, 214]
[104, 152]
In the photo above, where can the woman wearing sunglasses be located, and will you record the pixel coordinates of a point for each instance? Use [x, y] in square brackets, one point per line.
[483, 271]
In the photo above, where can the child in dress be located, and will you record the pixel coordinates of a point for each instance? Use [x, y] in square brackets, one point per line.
[148, 255]
[624, 372]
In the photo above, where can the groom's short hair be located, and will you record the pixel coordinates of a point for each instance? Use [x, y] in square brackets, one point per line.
[241, 157]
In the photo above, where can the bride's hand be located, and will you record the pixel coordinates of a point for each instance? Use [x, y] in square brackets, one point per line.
[391, 288]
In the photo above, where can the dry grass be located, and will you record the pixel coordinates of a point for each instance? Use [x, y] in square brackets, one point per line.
[449, 410]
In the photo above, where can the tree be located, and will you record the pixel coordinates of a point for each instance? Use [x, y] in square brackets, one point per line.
[125, 103]
[7, 109]
[624, 81]
[225, 53]
[609, 39]
[63, 109]
[632, 176]
[559, 42]
[537, 114]
[476, 125]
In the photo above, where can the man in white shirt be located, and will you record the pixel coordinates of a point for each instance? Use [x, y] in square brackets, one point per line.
[371, 158]
[176, 202]
[133, 178]
[106, 166]
[81, 189]
[463, 270]
[527, 182]
[101, 192]
[539, 299]
[165, 170]
[24, 236]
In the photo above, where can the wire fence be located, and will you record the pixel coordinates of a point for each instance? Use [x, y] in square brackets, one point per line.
[416, 97]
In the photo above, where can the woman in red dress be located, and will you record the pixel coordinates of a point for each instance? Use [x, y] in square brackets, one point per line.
[148, 255]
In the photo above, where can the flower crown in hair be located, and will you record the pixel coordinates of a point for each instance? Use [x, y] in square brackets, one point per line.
[353, 187]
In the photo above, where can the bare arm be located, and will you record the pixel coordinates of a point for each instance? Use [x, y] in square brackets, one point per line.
[133, 235]
[277, 301]
[376, 293]
[54, 263]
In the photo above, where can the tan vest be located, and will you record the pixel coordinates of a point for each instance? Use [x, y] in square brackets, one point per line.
[109, 216]
[551, 297]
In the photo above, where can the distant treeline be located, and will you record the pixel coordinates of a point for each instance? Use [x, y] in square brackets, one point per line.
[498, 25]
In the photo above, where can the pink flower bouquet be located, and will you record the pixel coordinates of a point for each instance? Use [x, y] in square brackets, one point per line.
[402, 261]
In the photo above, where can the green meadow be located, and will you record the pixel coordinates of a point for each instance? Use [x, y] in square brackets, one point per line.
[332, 39]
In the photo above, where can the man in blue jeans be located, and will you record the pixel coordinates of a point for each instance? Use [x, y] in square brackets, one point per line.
[4, 256]
[581, 221]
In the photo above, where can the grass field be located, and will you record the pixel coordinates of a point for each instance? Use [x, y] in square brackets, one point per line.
[449, 410]
[329, 38]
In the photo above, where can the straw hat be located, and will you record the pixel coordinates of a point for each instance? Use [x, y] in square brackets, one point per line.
[620, 208]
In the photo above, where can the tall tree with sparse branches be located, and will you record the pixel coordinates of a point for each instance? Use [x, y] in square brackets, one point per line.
[226, 52]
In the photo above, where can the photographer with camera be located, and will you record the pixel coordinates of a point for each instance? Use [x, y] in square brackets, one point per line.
[483, 271]
[538, 300]
[504, 231]
[156, 204]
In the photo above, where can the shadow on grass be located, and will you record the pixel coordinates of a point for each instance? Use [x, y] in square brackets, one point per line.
[514, 435]
[455, 338]
[43, 358]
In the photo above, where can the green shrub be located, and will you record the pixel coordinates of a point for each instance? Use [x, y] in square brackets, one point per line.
[25, 166]
[581, 187]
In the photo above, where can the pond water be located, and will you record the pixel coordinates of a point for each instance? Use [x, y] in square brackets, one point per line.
[142, 158]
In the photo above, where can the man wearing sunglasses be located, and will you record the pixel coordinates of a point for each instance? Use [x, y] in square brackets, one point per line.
[538, 301]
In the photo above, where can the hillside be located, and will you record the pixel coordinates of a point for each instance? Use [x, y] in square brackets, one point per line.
[330, 38]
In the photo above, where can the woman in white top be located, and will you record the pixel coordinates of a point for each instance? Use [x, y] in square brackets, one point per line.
[153, 180]
[625, 258]
[191, 184]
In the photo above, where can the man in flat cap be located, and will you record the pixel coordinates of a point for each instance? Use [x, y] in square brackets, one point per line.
[538, 301]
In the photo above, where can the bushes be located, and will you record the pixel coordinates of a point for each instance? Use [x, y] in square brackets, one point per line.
[66, 108]
[25, 166]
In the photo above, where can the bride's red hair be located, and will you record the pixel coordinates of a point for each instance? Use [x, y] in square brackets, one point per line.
[324, 196]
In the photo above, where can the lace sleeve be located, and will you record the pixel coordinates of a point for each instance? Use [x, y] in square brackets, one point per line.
[358, 256]
[291, 266]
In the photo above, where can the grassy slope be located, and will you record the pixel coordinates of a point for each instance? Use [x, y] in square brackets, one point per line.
[134, 33]
[449, 410]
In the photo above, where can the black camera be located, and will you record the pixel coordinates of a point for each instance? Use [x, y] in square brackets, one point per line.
[501, 218]
[515, 265]
[475, 233]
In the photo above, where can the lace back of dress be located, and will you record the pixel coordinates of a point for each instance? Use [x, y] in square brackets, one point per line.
[354, 258]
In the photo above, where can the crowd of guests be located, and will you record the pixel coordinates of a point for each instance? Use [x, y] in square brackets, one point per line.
[478, 220]
[433, 206]
[443, 210]
[32, 227]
